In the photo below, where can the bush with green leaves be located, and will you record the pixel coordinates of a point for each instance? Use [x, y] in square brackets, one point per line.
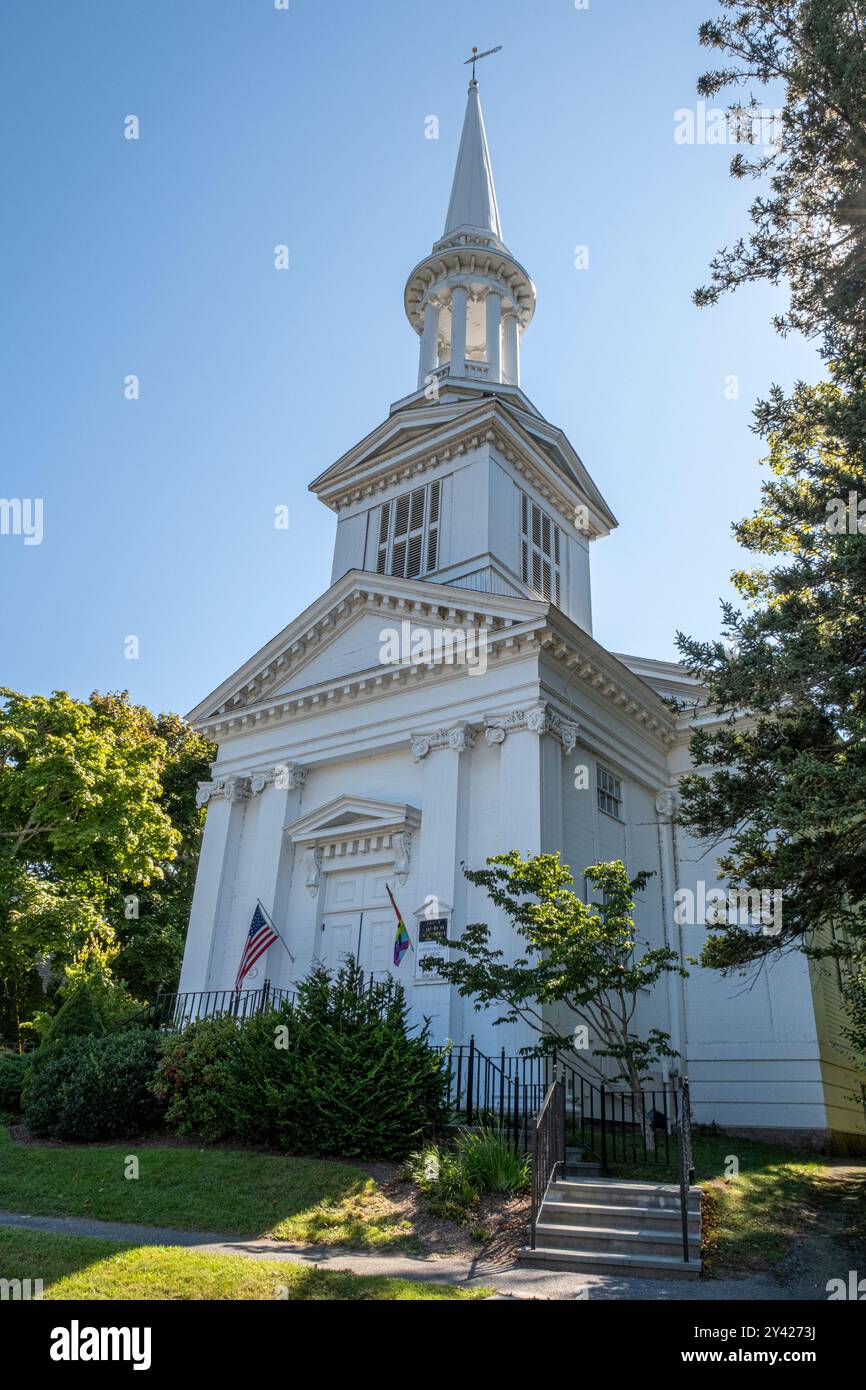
[78, 1017]
[491, 1162]
[335, 1072]
[12, 1068]
[439, 1173]
[452, 1180]
[96, 1087]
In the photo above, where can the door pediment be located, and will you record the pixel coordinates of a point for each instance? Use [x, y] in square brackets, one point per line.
[355, 830]
[350, 817]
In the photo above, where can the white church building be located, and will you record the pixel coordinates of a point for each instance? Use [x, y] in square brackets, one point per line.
[445, 700]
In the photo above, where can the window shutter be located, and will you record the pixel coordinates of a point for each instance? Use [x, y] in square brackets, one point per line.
[540, 550]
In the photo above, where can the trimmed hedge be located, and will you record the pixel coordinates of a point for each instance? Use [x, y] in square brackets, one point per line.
[96, 1087]
[12, 1068]
[334, 1073]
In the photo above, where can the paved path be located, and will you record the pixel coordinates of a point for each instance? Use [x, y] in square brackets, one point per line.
[512, 1281]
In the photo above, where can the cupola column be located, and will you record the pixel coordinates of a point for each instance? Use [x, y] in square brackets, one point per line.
[494, 336]
[459, 302]
[429, 342]
[511, 374]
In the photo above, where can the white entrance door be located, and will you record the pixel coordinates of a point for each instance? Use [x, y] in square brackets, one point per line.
[339, 938]
[358, 920]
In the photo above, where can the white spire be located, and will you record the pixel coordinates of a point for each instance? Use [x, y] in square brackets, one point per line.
[473, 197]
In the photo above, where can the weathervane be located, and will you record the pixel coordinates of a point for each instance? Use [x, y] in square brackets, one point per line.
[476, 57]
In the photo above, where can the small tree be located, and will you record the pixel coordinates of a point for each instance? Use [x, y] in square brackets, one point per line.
[583, 955]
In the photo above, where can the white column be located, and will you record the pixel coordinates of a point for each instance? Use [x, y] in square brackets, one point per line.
[494, 336]
[204, 914]
[273, 853]
[429, 342]
[520, 812]
[445, 813]
[511, 373]
[458, 331]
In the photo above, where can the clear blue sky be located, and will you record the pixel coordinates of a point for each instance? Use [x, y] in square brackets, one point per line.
[306, 127]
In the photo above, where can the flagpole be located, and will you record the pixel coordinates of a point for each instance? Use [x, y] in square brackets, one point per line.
[408, 933]
[273, 928]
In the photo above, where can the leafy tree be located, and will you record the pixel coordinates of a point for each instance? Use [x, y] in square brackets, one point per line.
[583, 955]
[786, 765]
[88, 792]
[808, 223]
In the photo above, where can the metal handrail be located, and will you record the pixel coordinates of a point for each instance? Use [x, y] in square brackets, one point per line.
[686, 1161]
[548, 1149]
[612, 1124]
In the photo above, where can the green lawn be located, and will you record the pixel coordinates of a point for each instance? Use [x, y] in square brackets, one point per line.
[220, 1190]
[77, 1267]
[751, 1219]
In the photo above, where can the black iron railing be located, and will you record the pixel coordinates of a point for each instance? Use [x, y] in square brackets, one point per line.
[548, 1149]
[172, 1012]
[686, 1160]
[609, 1123]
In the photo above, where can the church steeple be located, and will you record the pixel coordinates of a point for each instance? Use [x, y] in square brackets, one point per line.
[473, 196]
[470, 300]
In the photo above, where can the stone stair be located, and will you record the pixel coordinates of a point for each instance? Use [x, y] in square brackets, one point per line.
[604, 1225]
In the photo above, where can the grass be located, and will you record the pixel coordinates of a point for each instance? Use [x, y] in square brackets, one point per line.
[751, 1219]
[78, 1267]
[220, 1190]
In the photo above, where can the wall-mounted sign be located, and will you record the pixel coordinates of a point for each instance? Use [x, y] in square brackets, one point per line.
[433, 929]
[432, 944]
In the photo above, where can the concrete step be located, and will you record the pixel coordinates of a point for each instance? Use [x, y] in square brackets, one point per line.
[603, 1241]
[584, 1169]
[616, 1217]
[622, 1192]
[592, 1262]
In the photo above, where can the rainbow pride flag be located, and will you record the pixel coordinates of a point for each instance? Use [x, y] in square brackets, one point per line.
[401, 937]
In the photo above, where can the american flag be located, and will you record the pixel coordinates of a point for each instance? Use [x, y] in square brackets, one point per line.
[260, 936]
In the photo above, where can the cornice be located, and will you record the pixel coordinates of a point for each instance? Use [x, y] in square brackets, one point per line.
[371, 479]
[528, 626]
[468, 256]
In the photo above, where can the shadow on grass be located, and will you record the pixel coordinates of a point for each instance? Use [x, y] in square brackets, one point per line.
[224, 1191]
[86, 1268]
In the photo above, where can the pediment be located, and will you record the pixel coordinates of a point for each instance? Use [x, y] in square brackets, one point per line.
[337, 640]
[350, 817]
[415, 438]
[403, 431]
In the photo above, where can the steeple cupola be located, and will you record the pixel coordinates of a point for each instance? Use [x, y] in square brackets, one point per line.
[470, 301]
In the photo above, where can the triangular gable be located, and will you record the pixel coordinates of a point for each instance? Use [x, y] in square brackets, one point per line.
[377, 601]
[353, 816]
[402, 430]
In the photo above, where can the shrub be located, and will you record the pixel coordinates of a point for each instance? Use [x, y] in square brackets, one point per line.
[12, 1067]
[198, 1079]
[78, 1016]
[452, 1180]
[336, 1072]
[490, 1161]
[441, 1176]
[96, 1087]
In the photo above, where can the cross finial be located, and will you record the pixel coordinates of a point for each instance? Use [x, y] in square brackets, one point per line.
[476, 57]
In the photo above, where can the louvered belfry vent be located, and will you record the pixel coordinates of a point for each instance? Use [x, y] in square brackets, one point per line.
[409, 533]
[540, 551]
